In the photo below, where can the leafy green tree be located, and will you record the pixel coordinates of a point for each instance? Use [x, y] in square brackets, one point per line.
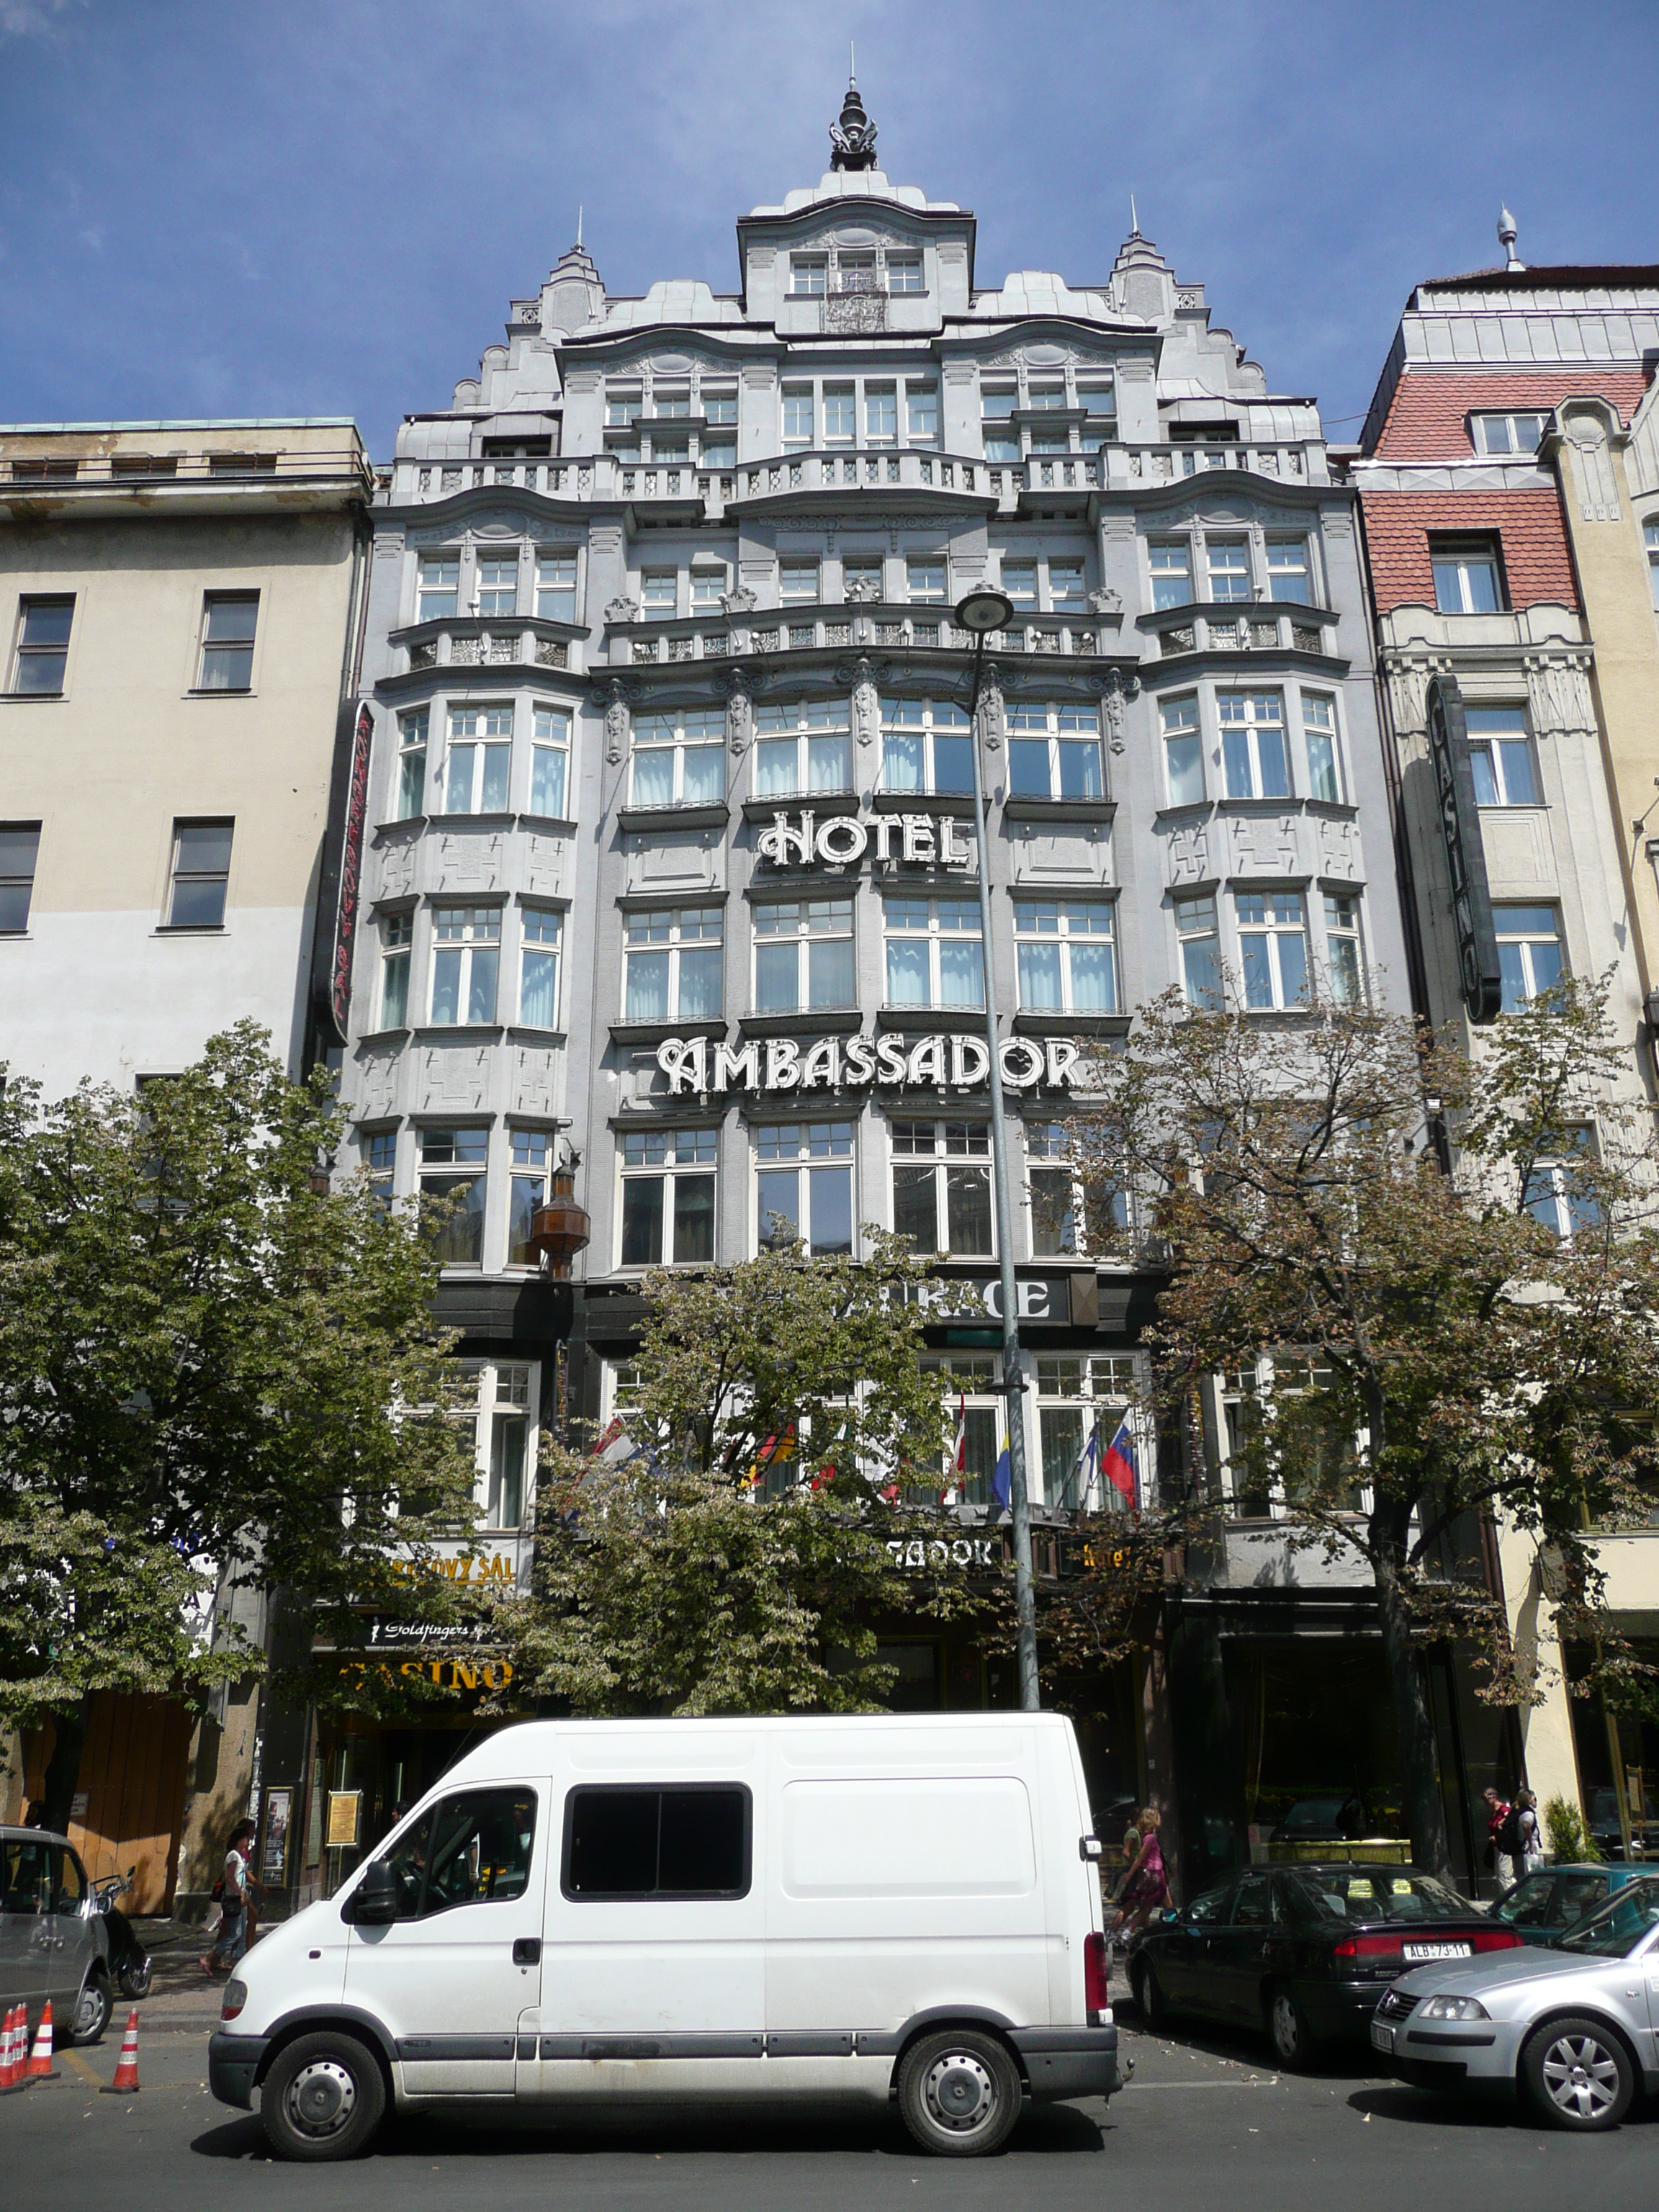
[1441, 1354]
[785, 1445]
[214, 1369]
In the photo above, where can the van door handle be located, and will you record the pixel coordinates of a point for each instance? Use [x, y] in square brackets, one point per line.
[527, 1951]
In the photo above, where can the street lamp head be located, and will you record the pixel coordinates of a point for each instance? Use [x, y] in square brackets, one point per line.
[982, 612]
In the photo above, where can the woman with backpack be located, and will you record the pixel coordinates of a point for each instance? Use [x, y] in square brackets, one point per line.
[1528, 1833]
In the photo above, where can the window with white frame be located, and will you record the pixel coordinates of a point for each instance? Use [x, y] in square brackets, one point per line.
[1319, 738]
[20, 845]
[452, 1175]
[880, 415]
[1468, 579]
[925, 746]
[808, 276]
[1053, 752]
[1065, 594]
[904, 272]
[1253, 752]
[942, 1187]
[841, 415]
[466, 957]
[804, 1186]
[797, 415]
[921, 412]
[924, 577]
[1019, 584]
[41, 655]
[438, 586]
[1287, 571]
[379, 1151]
[1229, 563]
[1560, 1194]
[933, 952]
[671, 402]
[1045, 396]
[719, 407]
[412, 733]
[498, 583]
[1500, 756]
[1098, 398]
[504, 1404]
[1070, 1212]
[1246, 1483]
[1508, 434]
[201, 874]
[1201, 951]
[801, 746]
[555, 586]
[542, 931]
[658, 593]
[671, 963]
[1081, 1404]
[532, 1152]
[973, 1400]
[1183, 749]
[1049, 437]
[1064, 950]
[1273, 947]
[1001, 438]
[624, 403]
[797, 580]
[804, 955]
[1171, 561]
[668, 1197]
[707, 588]
[397, 939]
[478, 767]
[228, 622]
[1530, 955]
[1344, 960]
[678, 759]
[549, 760]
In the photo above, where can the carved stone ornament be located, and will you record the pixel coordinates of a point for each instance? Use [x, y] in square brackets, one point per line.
[738, 688]
[866, 700]
[614, 699]
[853, 136]
[1105, 601]
[992, 719]
[861, 591]
[1558, 694]
[1116, 694]
[740, 602]
[622, 609]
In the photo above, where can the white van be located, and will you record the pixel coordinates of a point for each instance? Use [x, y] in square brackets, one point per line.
[900, 1907]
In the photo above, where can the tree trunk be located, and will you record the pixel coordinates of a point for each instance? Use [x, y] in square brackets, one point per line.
[63, 1767]
[1413, 1722]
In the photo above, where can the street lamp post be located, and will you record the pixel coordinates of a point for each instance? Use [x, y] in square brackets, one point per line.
[979, 614]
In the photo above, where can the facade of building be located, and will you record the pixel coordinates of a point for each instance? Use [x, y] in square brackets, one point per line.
[672, 861]
[181, 607]
[1509, 497]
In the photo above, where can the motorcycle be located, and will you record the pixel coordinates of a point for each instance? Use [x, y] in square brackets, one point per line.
[128, 1961]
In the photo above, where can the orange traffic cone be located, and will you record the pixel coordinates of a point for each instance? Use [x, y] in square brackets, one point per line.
[12, 2062]
[40, 2068]
[126, 2084]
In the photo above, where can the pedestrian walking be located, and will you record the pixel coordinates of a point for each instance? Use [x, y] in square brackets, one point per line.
[1119, 1912]
[232, 1892]
[1500, 1838]
[1147, 1889]
[1529, 1833]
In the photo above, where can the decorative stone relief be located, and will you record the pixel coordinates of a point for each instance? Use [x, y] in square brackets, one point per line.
[1189, 854]
[613, 701]
[455, 1075]
[1080, 855]
[1264, 845]
[740, 602]
[544, 864]
[1116, 694]
[1338, 849]
[993, 709]
[622, 609]
[666, 863]
[861, 591]
[375, 1083]
[739, 710]
[470, 861]
[397, 867]
[1558, 694]
[1598, 487]
[532, 1080]
[866, 700]
[1105, 601]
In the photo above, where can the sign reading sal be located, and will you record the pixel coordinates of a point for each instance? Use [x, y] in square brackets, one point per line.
[832, 1063]
[923, 840]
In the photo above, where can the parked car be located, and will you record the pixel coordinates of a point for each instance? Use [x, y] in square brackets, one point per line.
[1609, 1837]
[612, 1910]
[1543, 1905]
[1571, 2026]
[1323, 1819]
[52, 1941]
[1302, 1952]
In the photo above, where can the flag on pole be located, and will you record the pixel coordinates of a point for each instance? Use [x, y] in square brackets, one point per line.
[1002, 1481]
[958, 1466]
[1121, 1467]
[1085, 1469]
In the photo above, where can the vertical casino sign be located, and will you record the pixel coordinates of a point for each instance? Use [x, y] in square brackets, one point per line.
[1479, 977]
[340, 891]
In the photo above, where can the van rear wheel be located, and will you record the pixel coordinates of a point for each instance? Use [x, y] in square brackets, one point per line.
[959, 2092]
[322, 2099]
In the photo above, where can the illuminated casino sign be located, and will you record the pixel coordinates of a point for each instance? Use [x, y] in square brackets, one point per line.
[855, 1063]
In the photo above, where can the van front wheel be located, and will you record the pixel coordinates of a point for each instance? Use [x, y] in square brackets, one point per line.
[322, 2099]
[959, 2092]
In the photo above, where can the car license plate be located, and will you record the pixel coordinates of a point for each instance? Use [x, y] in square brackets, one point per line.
[1415, 1953]
[1382, 2037]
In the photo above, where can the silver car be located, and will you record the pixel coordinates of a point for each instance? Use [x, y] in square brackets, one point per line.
[1574, 2026]
[52, 1943]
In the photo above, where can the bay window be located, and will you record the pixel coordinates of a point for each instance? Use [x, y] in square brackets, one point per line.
[1273, 943]
[1172, 573]
[412, 731]
[668, 1197]
[397, 940]
[925, 747]
[1319, 735]
[1229, 560]
[452, 1174]
[804, 1186]
[466, 963]
[671, 963]
[543, 930]
[1343, 959]
[880, 415]
[1253, 745]
[549, 760]
[532, 1158]
[1201, 951]
[498, 583]
[841, 415]
[1500, 756]
[555, 586]
[1183, 750]
[1287, 570]
[438, 586]
[797, 415]
[477, 769]
[509, 1415]
[921, 413]
[1529, 952]
[803, 956]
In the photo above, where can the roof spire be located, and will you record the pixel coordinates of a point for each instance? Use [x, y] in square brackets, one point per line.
[580, 211]
[1506, 238]
[1135, 220]
[853, 139]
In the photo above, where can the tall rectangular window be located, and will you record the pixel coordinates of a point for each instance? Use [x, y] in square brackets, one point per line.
[679, 758]
[904, 272]
[509, 1453]
[1183, 750]
[1001, 438]
[796, 415]
[478, 771]
[925, 747]
[453, 1178]
[624, 403]
[555, 586]
[438, 586]
[1287, 571]
[798, 581]
[942, 1187]
[229, 619]
[1020, 583]
[1074, 1398]
[660, 593]
[1201, 952]
[1064, 951]
[42, 651]
[841, 415]
[804, 955]
[1172, 573]
[720, 409]
[668, 1197]
[707, 587]
[396, 937]
[1500, 756]
[934, 956]
[466, 963]
[379, 1148]
[1342, 954]
[671, 963]
[1066, 586]
[533, 1154]
[1067, 1214]
[880, 415]
[1053, 752]
[1099, 400]
[1253, 745]
[1468, 580]
[1319, 735]
[925, 577]
[498, 583]
[921, 413]
[201, 874]
[543, 929]
[549, 760]
[1529, 957]
[804, 1186]
[1272, 944]
[20, 842]
[1560, 1194]
[802, 746]
[1228, 562]
[1650, 539]
[411, 763]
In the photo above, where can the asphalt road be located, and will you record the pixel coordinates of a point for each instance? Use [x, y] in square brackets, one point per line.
[1206, 2124]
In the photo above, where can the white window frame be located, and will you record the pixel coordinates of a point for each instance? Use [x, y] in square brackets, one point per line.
[414, 736]
[483, 730]
[1276, 928]
[550, 750]
[903, 263]
[1062, 599]
[1322, 746]
[812, 725]
[1086, 1391]
[1483, 420]
[556, 592]
[1012, 575]
[1279, 571]
[710, 581]
[438, 585]
[1170, 560]
[660, 595]
[468, 1168]
[531, 1154]
[962, 1146]
[541, 949]
[1179, 728]
[1227, 562]
[1460, 558]
[1523, 941]
[815, 922]
[466, 944]
[929, 720]
[1066, 730]
[1197, 926]
[808, 276]
[799, 580]
[500, 593]
[839, 415]
[660, 1158]
[793, 398]
[688, 730]
[864, 568]
[396, 934]
[948, 921]
[1059, 919]
[806, 1152]
[1263, 712]
[1492, 744]
[1344, 949]
[921, 595]
[922, 411]
[648, 932]
[879, 395]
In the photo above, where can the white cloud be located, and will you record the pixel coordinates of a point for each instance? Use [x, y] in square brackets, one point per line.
[23, 19]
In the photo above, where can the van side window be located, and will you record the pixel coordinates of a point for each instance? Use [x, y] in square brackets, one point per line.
[640, 1841]
[473, 1849]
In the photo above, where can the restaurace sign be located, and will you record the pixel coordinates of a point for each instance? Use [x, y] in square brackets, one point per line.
[702, 1064]
[925, 841]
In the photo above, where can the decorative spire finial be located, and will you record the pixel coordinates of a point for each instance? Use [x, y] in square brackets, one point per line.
[1135, 220]
[853, 139]
[1506, 238]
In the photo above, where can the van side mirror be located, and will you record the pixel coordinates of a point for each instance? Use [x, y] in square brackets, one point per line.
[374, 1900]
[1089, 1847]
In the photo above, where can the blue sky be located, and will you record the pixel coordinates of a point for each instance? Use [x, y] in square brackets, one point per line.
[322, 206]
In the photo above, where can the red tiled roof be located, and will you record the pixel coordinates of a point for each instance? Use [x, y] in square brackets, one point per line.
[1536, 565]
[1427, 417]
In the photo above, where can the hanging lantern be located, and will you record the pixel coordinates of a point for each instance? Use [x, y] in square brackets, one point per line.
[561, 1229]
